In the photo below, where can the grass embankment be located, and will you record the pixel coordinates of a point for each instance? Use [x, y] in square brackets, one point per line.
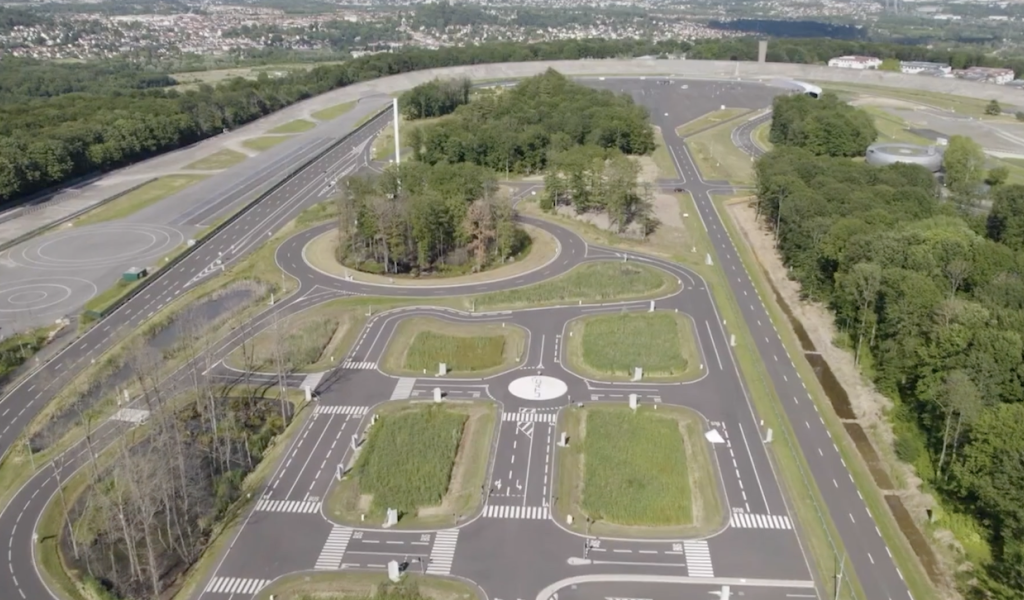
[260, 144]
[365, 586]
[814, 522]
[611, 346]
[468, 349]
[642, 474]
[321, 254]
[296, 126]
[807, 494]
[718, 159]
[589, 282]
[427, 461]
[138, 199]
[333, 112]
[311, 341]
[384, 145]
[711, 119]
[761, 135]
[218, 161]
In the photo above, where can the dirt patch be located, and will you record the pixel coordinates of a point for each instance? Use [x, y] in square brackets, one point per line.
[875, 465]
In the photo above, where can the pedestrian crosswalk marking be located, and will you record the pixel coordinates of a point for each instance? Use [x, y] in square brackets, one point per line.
[334, 549]
[698, 558]
[328, 409]
[497, 511]
[403, 388]
[288, 506]
[529, 417]
[235, 585]
[749, 521]
[359, 366]
[443, 552]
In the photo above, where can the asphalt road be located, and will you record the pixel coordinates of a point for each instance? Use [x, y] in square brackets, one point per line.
[513, 545]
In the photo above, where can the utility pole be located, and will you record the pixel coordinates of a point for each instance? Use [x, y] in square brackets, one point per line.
[398, 144]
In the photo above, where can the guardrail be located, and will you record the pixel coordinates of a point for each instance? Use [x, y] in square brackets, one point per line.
[245, 209]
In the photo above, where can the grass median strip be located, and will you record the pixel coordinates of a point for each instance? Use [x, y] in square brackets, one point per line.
[259, 144]
[427, 461]
[711, 119]
[366, 586]
[218, 161]
[296, 126]
[612, 346]
[718, 159]
[476, 350]
[637, 474]
[138, 199]
[603, 281]
[333, 112]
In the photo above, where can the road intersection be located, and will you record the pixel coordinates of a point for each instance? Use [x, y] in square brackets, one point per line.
[515, 544]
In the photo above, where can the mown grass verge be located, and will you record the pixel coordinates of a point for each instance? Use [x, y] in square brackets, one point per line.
[266, 142]
[468, 349]
[611, 346]
[218, 161]
[428, 461]
[138, 199]
[644, 474]
[718, 159]
[333, 112]
[366, 586]
[296, 126]
[709, 120]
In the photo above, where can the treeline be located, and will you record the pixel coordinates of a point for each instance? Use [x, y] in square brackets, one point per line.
[11, 17]
[785, 28]
[418, 219]
[932, 304]
[513, 132]
[435, 98]
[46, 142]
[594, 179]
[17, 348]
[824, 126]
[22, 79]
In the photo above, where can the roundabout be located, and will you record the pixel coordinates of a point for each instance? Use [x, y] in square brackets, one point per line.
[538, 387]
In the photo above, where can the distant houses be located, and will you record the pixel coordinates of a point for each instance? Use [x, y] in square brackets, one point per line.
[992, 75]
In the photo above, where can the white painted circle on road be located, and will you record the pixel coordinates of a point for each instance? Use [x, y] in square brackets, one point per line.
[538, 387]
[31, 297]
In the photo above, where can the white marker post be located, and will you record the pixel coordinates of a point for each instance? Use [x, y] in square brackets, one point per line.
[393, 573]
[308, 392]
[632, 402]
[398, 145]
[392, 518]
[638, 373]
[442, 369]
[652, 307]
[437, 394]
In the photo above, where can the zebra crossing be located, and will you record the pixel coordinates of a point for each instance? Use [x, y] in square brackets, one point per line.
[322, 409]
[530, 417]
[358, 365]
[403, 388]
[493, 511]
[443, 552]
[235, 585]
[698, 558]
[287, 506]
[334, 549]
[749, 521]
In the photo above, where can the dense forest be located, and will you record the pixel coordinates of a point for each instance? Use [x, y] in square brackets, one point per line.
[931, 299]
[824, 126]
[514, 131]
[435, 98]
[594, 179]
[48, 141]
[419, 219]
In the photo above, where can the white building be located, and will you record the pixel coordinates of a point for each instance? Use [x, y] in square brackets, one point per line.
[913, 67]
[855, 62]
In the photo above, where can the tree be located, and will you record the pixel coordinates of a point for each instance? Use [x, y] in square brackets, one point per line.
[997, 176]
[963, 164]
[993, 108]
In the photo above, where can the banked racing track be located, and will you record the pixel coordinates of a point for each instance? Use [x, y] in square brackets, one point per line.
[513, 548]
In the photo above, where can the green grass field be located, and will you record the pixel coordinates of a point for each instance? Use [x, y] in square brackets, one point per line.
[296, 126]
[333, 112]
[266, 142]
[138, 199]
[612, 345]
[709, 120]
[761, 133]
[635, 469]
[662, 157]
[407, 460]
[220, 160]
[718, 158]
[960, 104]
[590, 282]
[351, 585]
[476, 349]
